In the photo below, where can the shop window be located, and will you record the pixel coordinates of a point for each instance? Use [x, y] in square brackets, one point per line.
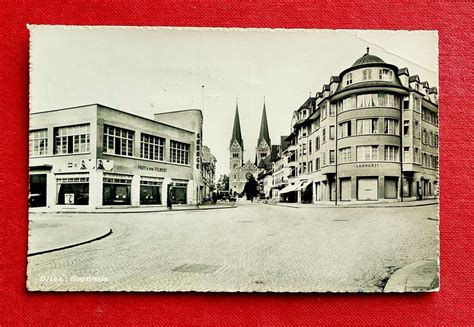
[118, 141]
[117, 189]
[73, 190]
[179, 152]
[72, 139]
[37, 196]
[150, 191]
[38, 142]
[178, 193]
[151, 147]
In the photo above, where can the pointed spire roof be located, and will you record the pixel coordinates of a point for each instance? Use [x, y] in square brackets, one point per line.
[264, 135]
[236, 132]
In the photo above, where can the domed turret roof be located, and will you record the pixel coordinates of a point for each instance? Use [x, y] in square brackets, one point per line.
[367, 59]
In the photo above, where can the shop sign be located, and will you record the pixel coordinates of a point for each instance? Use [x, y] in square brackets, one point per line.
[68, 198]
[367, 165]
[80, 165]
[148, 168]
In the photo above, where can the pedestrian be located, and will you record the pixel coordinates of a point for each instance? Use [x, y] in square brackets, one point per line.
[169, 201]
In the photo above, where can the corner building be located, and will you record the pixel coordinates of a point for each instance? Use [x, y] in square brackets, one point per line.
[371, 134]
[94, 156]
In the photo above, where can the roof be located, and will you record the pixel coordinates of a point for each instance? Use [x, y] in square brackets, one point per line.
[413, 78]
[403, 70]
[236, 132]
[284, 143]
[334, 79]
[367, 58]
[264, 135]
[433, 90]
[308, 104]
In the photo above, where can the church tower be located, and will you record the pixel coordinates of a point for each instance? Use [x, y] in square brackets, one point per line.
[263, 143]
[236, 153]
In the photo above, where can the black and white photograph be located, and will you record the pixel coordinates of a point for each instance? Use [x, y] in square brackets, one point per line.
[173, 159]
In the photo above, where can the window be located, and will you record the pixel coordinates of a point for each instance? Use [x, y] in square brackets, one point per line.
[406, 154]
[391, 126]
[118, 141]
[72, 139]
[349, 79]
[310, 147]
[235, 155]
[317, 164]
[304, 167]
[332, 110]
[367, 126]
[366, 74]
[345, 129]
[406, 127]
[310, 166]
[349, 103]
[332, 132]
[436, 141]
[324, 135]
[431, 139]
[38, 142]
[424, 134]
[367, 153]
[416, 129]
[391, 153]
[332, 156]
[324, 159]
[318, 144]
[304, 149]
[385, 75]
[345, 155]
[179, 152]
[151, 147]
[417, 156]
[416, 104]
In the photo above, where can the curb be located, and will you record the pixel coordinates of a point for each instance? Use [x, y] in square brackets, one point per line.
[415, 277]
[71, 245]
[381, 205]
[98, 211]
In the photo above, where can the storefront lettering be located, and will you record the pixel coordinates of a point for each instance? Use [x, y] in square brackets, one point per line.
[158, 169]
[367, 165]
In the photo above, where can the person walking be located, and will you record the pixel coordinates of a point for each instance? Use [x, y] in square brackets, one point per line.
[169, 200]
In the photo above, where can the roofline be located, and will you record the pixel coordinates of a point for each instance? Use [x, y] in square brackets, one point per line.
[122, 111]
[181, 110]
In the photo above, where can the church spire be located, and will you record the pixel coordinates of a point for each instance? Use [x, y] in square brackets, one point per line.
[236, 132]
[264, 135]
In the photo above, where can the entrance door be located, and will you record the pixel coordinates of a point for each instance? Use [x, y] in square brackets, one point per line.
[367, 188]
[390, 187]
[345, 189]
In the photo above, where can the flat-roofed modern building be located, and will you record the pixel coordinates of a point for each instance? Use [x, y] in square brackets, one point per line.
[94, 156]
[371, 134]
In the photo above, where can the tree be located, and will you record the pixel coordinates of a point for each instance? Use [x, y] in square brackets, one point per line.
[223, 183]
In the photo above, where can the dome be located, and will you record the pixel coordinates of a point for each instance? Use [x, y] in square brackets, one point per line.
[367, 59]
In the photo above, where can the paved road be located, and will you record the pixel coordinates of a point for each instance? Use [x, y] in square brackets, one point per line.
[252, 247]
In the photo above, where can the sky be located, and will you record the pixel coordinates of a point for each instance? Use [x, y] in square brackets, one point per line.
[149, 70]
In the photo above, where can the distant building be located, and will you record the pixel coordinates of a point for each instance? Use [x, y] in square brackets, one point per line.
[371, 134]
[95, 156]
[208, 162]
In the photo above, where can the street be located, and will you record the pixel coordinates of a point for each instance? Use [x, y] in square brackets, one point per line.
[253, 247]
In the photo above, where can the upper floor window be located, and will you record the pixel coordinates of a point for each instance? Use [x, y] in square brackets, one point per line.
[345, 129]
[38, 142]
[318, 144]
[349, 79]
[118, 141]
[345, 155]
[367, 74]
[386, 75]
[151, 147]
[310, 146]
[367, 126]
[235, 155]
[367, 153]
[332, 110]
[406, 127]
[332, 156]
[72, 139]
[391, 153]
[179, 152]
[332, 132]
[391, 126]
[324, 135]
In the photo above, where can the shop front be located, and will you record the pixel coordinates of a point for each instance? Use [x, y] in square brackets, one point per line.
[117, 189]
[150, 190]
[72, 189]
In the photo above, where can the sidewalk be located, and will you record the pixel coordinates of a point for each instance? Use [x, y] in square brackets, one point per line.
[422, 276]
[131, 209]
[356, 205]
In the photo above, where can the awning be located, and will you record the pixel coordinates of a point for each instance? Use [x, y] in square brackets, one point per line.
[305, 185]
[290, 188]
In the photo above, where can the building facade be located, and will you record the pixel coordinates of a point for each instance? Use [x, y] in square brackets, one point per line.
[371, 134]
[95, 156]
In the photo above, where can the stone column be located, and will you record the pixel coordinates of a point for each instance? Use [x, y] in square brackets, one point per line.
[95, 188]
[135, 190]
